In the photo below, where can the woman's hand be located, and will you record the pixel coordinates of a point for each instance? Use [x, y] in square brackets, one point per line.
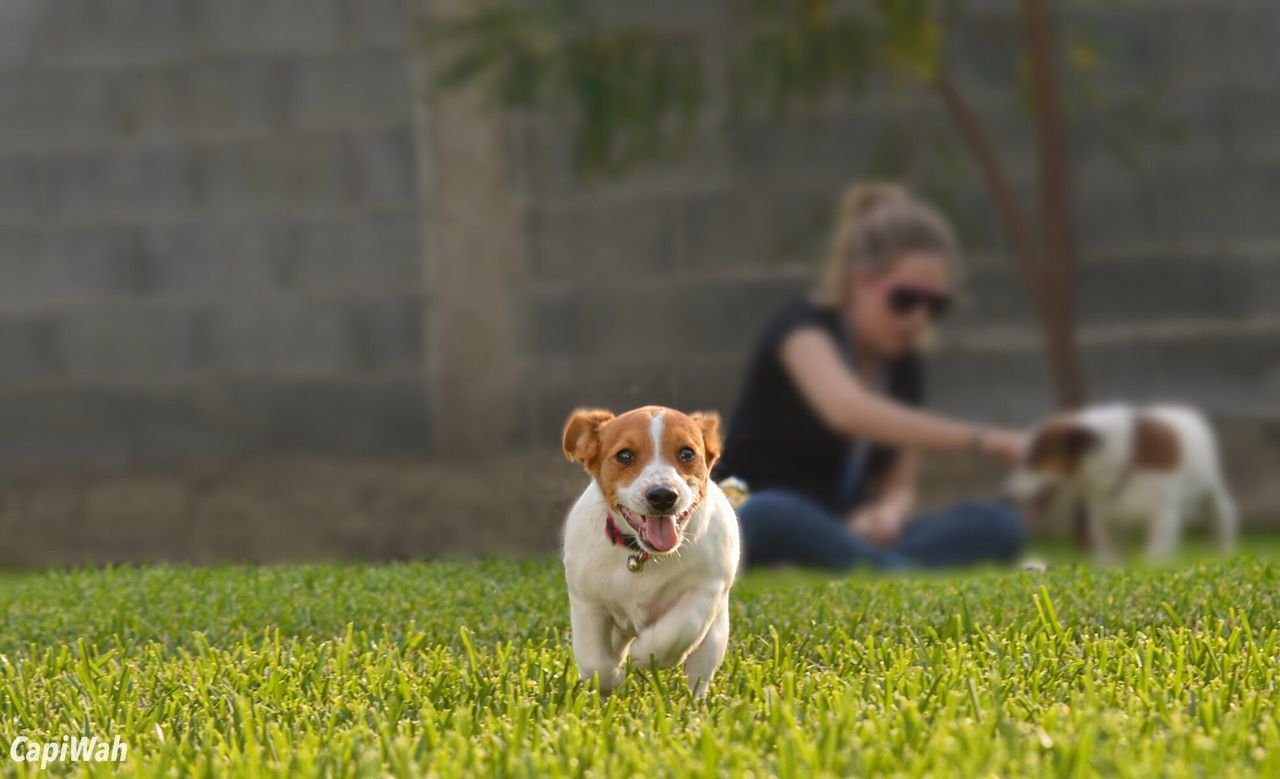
[1005, 446]
[881, 521]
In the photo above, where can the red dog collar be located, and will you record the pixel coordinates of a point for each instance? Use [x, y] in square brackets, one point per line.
[619, 538]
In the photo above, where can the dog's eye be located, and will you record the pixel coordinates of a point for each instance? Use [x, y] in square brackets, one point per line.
[687, 455]
[625, 456]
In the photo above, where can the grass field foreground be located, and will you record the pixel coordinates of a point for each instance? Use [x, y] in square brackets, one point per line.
[457, 669]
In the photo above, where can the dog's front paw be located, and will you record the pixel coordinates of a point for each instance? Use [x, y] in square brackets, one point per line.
[604, 678]
[665, 654]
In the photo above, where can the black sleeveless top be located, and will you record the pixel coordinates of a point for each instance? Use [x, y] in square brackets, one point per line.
[777, 441]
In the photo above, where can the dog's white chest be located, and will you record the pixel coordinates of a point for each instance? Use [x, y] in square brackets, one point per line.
[634, 611]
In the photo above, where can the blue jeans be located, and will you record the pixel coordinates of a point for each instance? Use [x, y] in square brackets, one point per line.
[787, 528]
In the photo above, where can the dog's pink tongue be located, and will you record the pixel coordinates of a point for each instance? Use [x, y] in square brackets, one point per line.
[660, 532]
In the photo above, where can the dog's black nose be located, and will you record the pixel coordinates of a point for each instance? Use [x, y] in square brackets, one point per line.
[661, 498]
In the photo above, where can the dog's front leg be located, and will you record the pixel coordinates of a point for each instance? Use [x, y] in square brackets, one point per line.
[1165, 530]
[594, 645]
[1226, 521]
[671, 638]
[704, 661]
[1095, 517]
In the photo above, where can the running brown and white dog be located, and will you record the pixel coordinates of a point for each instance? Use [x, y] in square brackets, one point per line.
[651, 547]
[1155, 468]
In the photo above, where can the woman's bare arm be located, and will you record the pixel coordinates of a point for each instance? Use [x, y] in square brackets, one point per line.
[815, 364]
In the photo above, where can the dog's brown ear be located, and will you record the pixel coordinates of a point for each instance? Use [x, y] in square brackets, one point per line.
[1079, 441]
[709, 423]
[1061, 445]
[582, 434]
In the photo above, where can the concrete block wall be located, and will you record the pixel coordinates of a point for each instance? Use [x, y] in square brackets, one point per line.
[210, 233]
[231, 226]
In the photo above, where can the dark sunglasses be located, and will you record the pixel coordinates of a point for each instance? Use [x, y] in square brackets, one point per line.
[904, 300]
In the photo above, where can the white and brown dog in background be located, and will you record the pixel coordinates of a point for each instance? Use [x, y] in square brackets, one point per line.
[651, 547]
[1154, 468]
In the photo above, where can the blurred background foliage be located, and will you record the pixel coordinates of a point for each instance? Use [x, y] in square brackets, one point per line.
[637, 91]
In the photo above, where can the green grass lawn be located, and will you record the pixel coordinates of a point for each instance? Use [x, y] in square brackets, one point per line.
[454, 669]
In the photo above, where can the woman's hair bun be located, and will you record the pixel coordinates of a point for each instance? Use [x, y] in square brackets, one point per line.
[861, 199]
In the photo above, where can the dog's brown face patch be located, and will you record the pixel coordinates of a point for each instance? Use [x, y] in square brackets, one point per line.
[1155, 445]
[698, 432]
[626, 447]
[614, 450]
[1059, 447]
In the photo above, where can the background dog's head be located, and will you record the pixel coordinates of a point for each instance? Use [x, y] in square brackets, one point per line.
[1055, 455]
[652, 464]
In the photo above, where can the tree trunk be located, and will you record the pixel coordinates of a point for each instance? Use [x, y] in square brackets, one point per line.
[1059, 268]
[1059, 337]
[1017, 226]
